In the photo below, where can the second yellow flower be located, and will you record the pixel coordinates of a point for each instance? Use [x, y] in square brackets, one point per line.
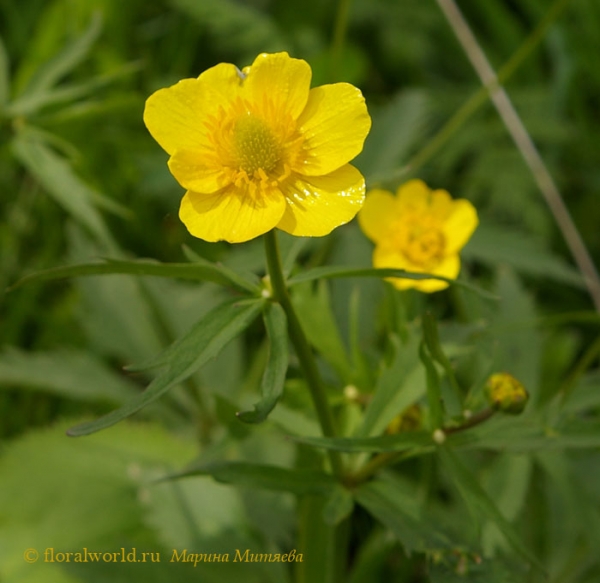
[419, 230]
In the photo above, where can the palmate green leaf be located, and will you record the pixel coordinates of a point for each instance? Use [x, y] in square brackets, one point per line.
[477, 499]
[66, 60]
[203, 342]
[277, 363]
[384, 443]
[74, 374]
[336, 271]
[4, 75]
[267, 477]
[198, 271]
[59, 180]
[396, 508]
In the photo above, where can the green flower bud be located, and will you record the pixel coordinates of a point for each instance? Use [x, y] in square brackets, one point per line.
[506, 393]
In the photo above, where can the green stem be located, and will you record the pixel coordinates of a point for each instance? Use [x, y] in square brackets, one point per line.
[392, 457]
[339, 34]
[472, 421]
[303, 350]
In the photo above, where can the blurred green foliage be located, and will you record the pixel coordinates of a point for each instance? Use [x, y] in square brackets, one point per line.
[81, 179]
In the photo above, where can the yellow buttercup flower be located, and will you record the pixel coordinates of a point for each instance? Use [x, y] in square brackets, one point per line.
[258, 149]
[418, 230]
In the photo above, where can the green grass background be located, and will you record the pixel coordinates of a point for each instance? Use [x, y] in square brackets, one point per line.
[81, 178]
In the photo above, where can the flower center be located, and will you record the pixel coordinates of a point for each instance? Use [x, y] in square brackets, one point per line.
[256, 148]
[420, 239]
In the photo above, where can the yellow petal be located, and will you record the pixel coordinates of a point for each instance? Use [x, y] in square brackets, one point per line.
[441, 204]
[193, 171]
[318, 204]
[449, 267]
[385, 256]
[278, 83]
[377, 215]
[334, 124]
[459, 226]
[231, 215]
[413, 195]
[175, 115]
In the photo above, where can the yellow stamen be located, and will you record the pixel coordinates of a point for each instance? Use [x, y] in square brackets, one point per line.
[419, 239]
[256, 148]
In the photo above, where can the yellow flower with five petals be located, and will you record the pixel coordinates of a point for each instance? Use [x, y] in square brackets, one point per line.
[418, 230]
[258, 149]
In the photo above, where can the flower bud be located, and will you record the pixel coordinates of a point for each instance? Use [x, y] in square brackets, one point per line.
[506, 393]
